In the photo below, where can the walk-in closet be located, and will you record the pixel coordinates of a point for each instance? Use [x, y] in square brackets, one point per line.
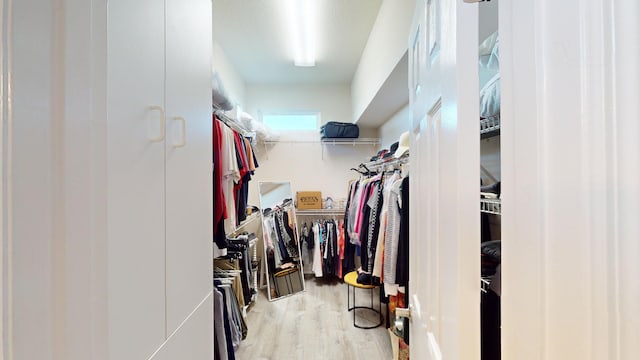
[317, 151]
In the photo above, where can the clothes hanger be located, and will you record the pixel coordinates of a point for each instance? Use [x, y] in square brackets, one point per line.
[360, 171]
[223, 281]
[228, 274]
[365, 168]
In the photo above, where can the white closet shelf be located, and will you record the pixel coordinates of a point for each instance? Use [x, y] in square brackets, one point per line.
[489, 127]
[352, 142]
[320, 212]
[491, 206]
[358, 141]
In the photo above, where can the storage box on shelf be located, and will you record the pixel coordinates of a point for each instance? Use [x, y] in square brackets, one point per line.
[309, 200]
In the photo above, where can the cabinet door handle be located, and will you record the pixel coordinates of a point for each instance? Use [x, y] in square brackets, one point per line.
[183, 124]
[162, 131]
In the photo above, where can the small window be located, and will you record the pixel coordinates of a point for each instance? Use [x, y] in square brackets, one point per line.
[283, 122]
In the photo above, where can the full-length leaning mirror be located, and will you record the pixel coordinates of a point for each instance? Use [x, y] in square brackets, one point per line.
[281, 249]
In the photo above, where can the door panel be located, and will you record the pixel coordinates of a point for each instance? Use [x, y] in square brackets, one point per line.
[570, 150]
[136, 240]
[445, 218]
[189, 198]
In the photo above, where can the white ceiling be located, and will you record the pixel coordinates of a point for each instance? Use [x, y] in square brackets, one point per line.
[255, 38]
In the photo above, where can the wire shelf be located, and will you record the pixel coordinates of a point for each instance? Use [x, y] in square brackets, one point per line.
[320, 212]
[490, 127]
[358, 141]
[491, 206]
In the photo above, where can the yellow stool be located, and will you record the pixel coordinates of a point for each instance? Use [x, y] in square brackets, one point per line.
[351, 279]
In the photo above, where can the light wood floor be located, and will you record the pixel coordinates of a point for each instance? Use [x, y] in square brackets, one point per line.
[313, 324]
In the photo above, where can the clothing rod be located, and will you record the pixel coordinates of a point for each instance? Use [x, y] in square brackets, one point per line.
[376, 165]
[248, 221]
[320, 212]
[226, 271]
[282, 207]
[225, 281]
[228, 275]
[220, 115]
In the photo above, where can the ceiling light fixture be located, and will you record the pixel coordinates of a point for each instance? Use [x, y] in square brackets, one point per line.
[301, 25]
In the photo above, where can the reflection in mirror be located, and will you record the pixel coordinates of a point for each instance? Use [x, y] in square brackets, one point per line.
[281, 248]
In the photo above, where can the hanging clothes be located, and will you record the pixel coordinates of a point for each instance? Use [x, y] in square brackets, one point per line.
[234, 163]
[280, 238]
[227, 312]
[348, 256]
[243, 167]
[240, 246]
[384, 223]
[317, 253]
[331, 253]
[373, 223]
[271, 242]
[219, 208]
[323, 247]
[402, 264]
[231, 173]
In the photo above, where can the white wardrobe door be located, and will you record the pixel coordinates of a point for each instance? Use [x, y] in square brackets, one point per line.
[30, 176]
[189, 199]
[136, 234]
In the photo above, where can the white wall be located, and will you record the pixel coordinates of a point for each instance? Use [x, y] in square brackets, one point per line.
[391, 130]
[272, 197]
[490, 158]
[304, 164]
[386, 45]
[233, 82]
[488, 19]
[333, 101]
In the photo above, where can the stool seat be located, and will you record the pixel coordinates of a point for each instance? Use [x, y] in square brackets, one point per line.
[352, 279]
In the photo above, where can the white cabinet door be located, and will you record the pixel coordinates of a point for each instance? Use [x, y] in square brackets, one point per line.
[136, 230]
[189, 198]
[444, 285]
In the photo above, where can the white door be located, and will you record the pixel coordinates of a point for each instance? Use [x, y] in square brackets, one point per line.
[570, 165]
[189, 198]
[444, 285]
[135, 142]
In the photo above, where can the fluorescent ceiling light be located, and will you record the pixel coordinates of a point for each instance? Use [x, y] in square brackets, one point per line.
[302, 27]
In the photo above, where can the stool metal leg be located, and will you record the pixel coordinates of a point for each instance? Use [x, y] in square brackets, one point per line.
[354, 307]
[371, 292]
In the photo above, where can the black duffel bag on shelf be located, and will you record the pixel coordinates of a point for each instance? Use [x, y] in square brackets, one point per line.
[339, 130]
